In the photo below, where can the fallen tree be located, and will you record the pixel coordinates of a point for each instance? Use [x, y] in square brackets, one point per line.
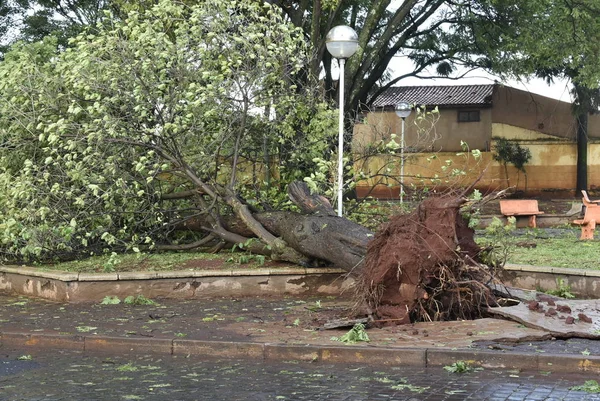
[421, 266]
[315, 236]
[150, 135]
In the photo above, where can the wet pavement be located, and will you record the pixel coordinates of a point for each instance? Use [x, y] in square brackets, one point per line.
[399, 363]
[283, 320]
[280, 320]
[75, 376]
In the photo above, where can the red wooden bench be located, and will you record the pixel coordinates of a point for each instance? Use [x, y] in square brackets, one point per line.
[521, 207]
[590, 217]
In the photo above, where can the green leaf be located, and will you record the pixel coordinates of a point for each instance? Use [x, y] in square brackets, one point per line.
[110, 300]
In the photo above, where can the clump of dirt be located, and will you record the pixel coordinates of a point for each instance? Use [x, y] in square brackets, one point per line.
[421, 267]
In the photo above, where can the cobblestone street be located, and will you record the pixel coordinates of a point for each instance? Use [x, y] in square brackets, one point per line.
[74, 376]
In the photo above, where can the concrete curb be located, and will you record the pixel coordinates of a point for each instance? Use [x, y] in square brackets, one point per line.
[93, 287]
[152, 275]
[389, 356]
[583, 283]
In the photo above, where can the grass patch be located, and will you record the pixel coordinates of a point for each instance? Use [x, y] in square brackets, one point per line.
[132, 262]
[569, 252]
[166, 261]
[555, 247]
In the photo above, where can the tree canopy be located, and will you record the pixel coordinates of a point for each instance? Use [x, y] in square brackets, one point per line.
[549, 39]
[433, 34]
[117, 141]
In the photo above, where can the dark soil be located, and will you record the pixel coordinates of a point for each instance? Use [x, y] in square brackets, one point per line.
[417, 267]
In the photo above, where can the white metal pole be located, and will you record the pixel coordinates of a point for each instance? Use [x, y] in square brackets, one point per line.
[340, 181]
[402, 164]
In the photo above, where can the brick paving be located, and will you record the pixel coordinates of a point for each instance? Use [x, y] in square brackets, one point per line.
[75, 376]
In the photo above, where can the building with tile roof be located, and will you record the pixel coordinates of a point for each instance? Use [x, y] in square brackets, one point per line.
[456, 117]
[441, 96]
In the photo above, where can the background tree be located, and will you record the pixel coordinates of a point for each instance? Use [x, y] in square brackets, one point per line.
[430, 33]
[33, 20]
[507, 151]
[550, 39]
[9, 15]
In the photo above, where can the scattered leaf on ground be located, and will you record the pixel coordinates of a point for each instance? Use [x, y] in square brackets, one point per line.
[590, 386]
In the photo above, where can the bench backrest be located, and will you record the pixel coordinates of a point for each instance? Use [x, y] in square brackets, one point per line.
[586, 199]
[518, 206]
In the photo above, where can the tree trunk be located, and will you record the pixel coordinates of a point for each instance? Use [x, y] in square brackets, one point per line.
[315, 237]
[582, 148]
[332, 239]
[586, 100]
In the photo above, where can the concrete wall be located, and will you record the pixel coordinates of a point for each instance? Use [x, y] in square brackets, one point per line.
[533, 112]
[583, 283]
[552, 169]
[538, 113]
[93, 287]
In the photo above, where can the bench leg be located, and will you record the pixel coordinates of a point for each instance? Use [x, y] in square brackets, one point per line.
[532, 221]
[587, 230]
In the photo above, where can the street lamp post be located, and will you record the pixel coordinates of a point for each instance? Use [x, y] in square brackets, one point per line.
[402, 110]
[341, 42]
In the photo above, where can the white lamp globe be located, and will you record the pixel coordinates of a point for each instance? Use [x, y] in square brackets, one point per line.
[403, 109]
[341, 41]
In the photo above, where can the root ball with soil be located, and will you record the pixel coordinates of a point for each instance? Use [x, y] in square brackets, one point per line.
[422, 267]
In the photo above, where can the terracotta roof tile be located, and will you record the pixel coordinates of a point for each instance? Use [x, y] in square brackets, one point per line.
[467, 95]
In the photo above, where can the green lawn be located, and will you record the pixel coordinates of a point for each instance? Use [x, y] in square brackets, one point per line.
[141, 262]
[559, 252]
[556, 248]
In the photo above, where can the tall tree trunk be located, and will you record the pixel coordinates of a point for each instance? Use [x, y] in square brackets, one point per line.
[582, 150]
[584, 104]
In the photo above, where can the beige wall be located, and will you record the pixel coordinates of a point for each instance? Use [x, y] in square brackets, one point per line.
[594, 126]
[511, 107]
[444, 136]
[552, 168]
[533, 112]
[538, 113]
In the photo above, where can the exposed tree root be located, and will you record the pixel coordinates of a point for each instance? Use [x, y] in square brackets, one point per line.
[421, 267]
